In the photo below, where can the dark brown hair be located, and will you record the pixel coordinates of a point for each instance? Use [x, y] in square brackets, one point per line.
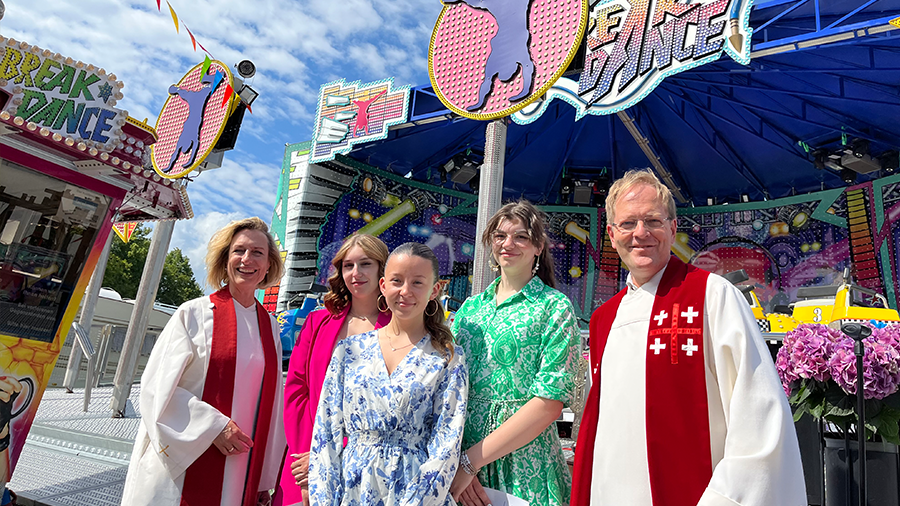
[338, 297]
[434, 322]
[533, 219]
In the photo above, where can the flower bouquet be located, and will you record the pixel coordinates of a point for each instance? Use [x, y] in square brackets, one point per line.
[817, 367]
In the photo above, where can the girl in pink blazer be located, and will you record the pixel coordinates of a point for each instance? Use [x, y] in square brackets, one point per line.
[351, 307]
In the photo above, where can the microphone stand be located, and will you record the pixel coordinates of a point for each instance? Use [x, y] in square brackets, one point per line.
[858, 332]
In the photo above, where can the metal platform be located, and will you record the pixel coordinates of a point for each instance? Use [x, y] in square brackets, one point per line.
[76, 458]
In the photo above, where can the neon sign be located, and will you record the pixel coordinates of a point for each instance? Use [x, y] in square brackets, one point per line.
[632, 45]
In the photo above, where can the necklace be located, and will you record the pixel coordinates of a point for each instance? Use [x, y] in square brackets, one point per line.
[363, 318]
[391, 343]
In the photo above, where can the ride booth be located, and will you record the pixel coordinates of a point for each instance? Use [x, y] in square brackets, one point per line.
[771, 124]
[71, 164]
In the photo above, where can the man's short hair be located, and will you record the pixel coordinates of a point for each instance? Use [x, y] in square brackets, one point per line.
[634, 178]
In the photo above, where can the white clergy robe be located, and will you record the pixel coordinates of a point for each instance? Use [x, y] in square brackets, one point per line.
[177, 426]
[755, 455]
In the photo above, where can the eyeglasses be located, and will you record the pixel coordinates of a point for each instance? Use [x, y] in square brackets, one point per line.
[519, 239]
[649, 224]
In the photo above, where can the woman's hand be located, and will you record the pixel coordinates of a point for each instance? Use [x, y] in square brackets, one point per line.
[232, 440]
[300, 468]
[461, 482]
[473, 494]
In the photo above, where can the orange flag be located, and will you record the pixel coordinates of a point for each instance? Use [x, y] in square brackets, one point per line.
[174, 16]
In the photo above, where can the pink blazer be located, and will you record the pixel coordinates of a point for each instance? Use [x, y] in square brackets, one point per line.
[305, 376]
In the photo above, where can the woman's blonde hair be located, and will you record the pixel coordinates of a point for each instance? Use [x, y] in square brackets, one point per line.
[217, 253]
[338, 296]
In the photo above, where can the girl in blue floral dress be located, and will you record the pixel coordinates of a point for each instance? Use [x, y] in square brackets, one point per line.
[398, 396]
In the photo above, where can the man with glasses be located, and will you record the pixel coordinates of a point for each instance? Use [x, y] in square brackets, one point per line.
[685, 407]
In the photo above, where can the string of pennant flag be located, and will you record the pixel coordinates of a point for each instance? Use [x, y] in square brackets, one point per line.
[229, 91]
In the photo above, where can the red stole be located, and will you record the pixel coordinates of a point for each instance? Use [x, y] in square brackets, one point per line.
[677, 415]
[203, 479]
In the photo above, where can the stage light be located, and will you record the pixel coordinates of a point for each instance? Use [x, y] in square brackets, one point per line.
[582, 195]
[860, 147]
[889, 161]
[710, 201]
[848, 176]
[819, 158]
[246, 69]
[745, 197]
[566, 186]
[248, 95]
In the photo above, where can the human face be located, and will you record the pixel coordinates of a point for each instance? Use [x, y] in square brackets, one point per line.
[408, 284]
[644, 251]
[248, 261]
[360, 273]
[512, 247]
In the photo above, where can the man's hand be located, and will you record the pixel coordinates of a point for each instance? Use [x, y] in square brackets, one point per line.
[232, 440]
[8, 387]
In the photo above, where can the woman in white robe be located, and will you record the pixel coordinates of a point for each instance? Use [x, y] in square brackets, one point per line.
[211, 391]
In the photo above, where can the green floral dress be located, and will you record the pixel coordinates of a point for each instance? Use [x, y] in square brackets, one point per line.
[526, 347]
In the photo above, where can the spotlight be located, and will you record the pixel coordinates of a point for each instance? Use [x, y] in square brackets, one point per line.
[848, 176]
[246, 69]
[582, 195]
[889, 161]
[860, 147]
[248, 95]
[566, 186]
[819, 158]
[745, 197]
[710, 201]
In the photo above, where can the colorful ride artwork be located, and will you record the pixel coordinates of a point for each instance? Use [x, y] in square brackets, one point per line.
[784, 244]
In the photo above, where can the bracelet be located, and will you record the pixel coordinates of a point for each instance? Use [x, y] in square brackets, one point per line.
[466, 465]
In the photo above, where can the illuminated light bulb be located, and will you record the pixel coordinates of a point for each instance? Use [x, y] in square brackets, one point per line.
[70, 141]
[57, 137]
[4, 116]
[45, 132]
[115, 160]
[31, 126]
[126, 165]
[19, 121]
[81, 146]
[104, 156]
[93, 151]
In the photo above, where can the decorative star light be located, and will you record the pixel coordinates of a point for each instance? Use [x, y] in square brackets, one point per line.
[105, 91]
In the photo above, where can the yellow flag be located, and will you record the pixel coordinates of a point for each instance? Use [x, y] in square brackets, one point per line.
[174, 16]
[895, 22]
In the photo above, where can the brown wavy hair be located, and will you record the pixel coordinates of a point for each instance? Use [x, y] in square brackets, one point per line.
[534, 221]
[217, 253]
[434, 323]
[338, 296]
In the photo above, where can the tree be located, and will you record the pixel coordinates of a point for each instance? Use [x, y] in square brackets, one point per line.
[178, 283]
[126, 265]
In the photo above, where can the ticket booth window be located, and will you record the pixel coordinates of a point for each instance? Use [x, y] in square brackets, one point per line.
[47, 229]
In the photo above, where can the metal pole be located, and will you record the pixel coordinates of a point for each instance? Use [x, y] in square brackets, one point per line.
[87, 316]
[858, 332]
[137, 325]
[490, 198]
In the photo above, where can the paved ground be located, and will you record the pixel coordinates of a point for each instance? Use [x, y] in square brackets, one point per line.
[76, 458]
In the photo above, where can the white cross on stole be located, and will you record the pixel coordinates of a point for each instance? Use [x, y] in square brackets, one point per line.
[690, 347]
[658, 346]
[690, 314]
[661, 317]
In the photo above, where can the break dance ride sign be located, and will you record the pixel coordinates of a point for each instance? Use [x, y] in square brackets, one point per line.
[490, 58]
[632, 45]
[192, 119]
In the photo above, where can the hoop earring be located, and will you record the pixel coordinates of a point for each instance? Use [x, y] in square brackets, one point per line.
[378, 303]
[435, 308]
[537, 263]
[495, 266]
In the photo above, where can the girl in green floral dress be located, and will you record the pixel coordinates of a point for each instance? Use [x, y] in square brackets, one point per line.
[521, 340]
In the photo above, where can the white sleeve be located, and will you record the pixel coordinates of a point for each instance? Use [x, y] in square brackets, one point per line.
[760, 462]
[179, 424]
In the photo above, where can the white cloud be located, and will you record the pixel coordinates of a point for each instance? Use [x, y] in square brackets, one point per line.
[295, 45]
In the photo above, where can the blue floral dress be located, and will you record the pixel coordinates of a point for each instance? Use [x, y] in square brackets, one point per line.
[403, 431]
